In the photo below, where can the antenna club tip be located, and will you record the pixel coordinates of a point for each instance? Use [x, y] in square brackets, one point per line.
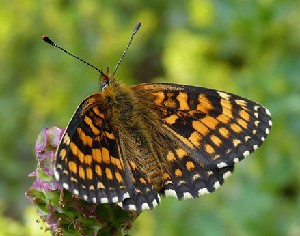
[47, 39]
[44, 37]
[137, 27]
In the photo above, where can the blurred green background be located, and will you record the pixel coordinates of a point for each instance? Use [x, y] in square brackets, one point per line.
[251, 48]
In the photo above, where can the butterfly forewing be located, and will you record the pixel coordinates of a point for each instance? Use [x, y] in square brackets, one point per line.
[216, 128]
[207, 132]
[89, 161]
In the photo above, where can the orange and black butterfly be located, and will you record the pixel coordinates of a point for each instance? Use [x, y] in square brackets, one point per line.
[131, 145]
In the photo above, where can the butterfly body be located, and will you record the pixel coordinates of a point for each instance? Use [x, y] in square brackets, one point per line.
[129, 145]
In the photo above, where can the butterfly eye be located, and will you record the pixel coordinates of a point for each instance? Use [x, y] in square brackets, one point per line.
[103, 85]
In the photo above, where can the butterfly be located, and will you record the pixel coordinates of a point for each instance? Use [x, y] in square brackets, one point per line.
[131, 145]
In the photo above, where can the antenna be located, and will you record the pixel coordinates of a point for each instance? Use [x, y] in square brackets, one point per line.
[136, 28]
[49, 41]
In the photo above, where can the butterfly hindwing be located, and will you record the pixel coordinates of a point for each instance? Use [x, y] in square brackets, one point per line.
[189, 179]
[184, 177]
[143, 196]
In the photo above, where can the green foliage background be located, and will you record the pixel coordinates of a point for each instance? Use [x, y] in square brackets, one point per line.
[251, 48]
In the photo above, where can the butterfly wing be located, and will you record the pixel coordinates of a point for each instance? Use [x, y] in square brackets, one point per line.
[88, 160]
[209, 131]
